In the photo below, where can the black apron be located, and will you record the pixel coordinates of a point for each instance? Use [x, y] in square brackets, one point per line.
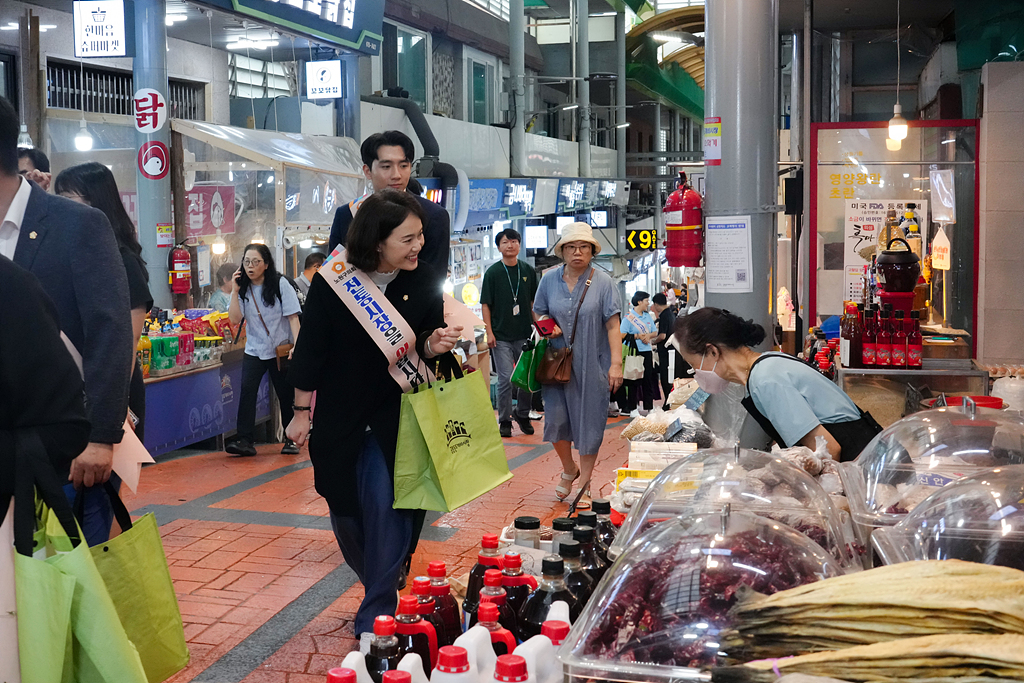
[852, 436]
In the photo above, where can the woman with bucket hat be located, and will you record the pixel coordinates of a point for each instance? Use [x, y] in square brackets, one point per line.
[584, 304]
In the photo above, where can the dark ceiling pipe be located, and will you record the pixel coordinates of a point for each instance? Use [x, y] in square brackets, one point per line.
[419, 121]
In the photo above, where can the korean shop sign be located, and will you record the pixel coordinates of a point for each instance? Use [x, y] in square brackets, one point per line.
[99, 28]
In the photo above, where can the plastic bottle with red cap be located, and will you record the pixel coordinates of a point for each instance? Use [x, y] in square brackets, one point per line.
[414, 633]
[502, 640]
[397, 676]
[356, 661]
[384, 652]
[341, 675]
[445, 606]
[421, 588]
[539, 652]
[494, 593]
[454, 666]
[489, 558]
[477, 643]
[511, 669]
[413, 665]
[517, 584]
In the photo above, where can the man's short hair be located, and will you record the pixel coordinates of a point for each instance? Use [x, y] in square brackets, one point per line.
[659, 299]
[395, 138]
[9, 129]
[37, 158]
[314, 260]
[507, 233]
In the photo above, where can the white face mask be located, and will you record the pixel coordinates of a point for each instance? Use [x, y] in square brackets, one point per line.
[709, 380]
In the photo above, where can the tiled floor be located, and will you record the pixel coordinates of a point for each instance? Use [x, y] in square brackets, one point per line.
[263, 589]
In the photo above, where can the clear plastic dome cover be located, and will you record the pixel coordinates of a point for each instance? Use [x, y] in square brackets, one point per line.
[977, 519]
[662, 606]
[918, 455]
[747, 480]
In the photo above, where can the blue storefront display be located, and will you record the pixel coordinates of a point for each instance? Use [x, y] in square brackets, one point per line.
[186, 408]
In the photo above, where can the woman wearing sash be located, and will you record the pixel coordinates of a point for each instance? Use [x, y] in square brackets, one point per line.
[638, 330]
[372, 315]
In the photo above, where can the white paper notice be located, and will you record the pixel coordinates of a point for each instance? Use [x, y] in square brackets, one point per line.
[729, 268]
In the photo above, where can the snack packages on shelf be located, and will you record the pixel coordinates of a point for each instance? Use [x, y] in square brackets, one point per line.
[176, 342]
[747, 480]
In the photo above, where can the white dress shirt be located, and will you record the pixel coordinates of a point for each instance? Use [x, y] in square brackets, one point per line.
[11, 226]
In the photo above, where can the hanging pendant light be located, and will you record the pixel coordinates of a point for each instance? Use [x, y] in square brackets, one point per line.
[218, 246]
[24, 139]
[83, 140]
[893, 145]
[897, 124]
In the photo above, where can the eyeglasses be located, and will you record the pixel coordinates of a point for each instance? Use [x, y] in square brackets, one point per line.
[251, 262]
[577, 248]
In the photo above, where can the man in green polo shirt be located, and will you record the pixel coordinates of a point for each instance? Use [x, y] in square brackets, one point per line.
[507, 301]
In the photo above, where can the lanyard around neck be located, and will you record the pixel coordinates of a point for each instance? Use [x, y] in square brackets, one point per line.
[515, 294]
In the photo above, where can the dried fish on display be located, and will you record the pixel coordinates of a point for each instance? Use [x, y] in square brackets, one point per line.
[884, 604]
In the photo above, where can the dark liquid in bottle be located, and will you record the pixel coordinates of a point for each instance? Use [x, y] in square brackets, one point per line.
[418, 643]
[535, 611]
[382, 659]
[506, 619]
[474, 585]
[500, 649]
[515, 596]
[581, 584]
[605, 537]
[446, 610]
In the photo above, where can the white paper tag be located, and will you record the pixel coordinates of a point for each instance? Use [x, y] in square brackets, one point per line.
[515, 310]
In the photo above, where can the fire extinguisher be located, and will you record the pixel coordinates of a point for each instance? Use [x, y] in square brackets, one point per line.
[180, 267]
[684, 226]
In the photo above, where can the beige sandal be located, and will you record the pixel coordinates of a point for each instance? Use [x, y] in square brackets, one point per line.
[585, 501]
[564, 487]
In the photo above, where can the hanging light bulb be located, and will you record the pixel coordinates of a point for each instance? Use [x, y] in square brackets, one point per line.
[258, 240]
[897, 124]
[893, 145]
[305, 244]
[83, 140]
[24, 139]
[218, 246]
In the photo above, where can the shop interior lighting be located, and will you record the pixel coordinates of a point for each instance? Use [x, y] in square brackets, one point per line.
[43, 28]
[218, 246]
[24, 139]
[242, 44]
[893, 145]
[83, 139]
[172, 18]
[305, 244]
[10, 26]
[258, 240]
[897, 124]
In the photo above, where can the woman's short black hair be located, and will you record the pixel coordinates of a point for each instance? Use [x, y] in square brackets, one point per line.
[507, 233]
[378, 216]
[640, 296]
[716, 327]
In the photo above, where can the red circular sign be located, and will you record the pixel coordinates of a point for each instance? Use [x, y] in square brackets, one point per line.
[154, 160]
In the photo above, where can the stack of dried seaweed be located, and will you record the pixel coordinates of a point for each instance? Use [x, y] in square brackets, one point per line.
[952, 658]
[900, 601]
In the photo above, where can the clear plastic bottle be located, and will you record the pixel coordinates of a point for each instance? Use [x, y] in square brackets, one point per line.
[605, 529]
[551, 587]
[502, 640]
[580, 583]
[384, 653]
[414, 633]
[494, 593]
[561, 528]
[528, 532]
[592, 563]
[517, 584]
[446, 607]
[487, 559]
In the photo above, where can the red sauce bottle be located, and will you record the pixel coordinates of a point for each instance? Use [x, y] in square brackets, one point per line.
[883, 341]
[898, 354]
[868, 339]
[915, 342]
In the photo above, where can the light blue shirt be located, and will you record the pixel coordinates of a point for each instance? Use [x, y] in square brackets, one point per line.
[220, 301]
[257, 342]
[797, 398]
[627, 326]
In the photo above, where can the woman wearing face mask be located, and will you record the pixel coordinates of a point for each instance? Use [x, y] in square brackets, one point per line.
[791, 401]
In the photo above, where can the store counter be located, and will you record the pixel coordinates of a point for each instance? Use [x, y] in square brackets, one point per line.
[193, 405]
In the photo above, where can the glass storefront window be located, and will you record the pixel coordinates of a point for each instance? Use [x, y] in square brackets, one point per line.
[856, 177]
[404, 62]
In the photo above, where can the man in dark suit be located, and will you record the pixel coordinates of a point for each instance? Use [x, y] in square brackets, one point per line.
[70, 248]
[387, 162]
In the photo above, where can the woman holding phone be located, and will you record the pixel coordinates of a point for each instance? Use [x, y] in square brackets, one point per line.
[584, 305]
[272, 314]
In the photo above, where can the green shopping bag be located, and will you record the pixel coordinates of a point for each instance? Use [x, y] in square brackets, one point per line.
[99, 650]
[524, 375]
[449, 449]
[134, 568]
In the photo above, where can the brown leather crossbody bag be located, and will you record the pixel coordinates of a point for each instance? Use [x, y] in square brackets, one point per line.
[556, 365]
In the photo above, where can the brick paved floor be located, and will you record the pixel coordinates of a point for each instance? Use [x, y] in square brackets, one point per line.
[263, 589]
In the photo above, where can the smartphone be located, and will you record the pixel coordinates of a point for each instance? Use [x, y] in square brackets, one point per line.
[545, 327]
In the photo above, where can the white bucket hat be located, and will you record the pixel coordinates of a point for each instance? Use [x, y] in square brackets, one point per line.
[577, 232]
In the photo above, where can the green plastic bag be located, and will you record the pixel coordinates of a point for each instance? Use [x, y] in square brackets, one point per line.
[524, 375]
[134, 568]
[44, 595]
[449, 449]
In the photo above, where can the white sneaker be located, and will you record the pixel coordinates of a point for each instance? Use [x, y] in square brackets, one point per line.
[534, 415]
[635, 414]
[364, 642]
